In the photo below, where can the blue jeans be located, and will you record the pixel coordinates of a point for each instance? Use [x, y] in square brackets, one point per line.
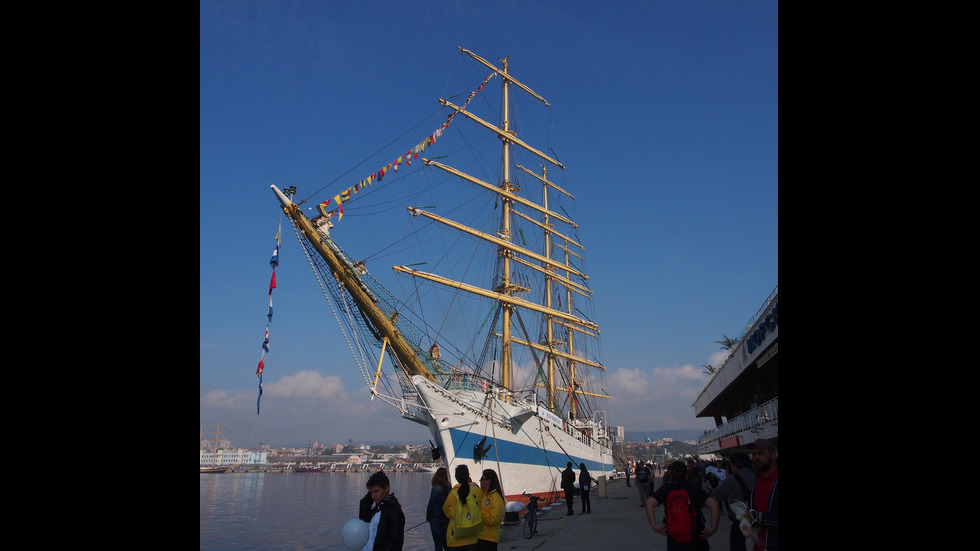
[438, 529]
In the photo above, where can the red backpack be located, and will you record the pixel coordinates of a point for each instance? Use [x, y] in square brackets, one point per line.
[682, 520]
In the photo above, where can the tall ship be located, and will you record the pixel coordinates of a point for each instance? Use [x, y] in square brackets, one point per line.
[212, 466]
[493, 345]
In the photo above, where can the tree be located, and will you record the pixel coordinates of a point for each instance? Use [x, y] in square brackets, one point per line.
[727, 343]
[708, 369]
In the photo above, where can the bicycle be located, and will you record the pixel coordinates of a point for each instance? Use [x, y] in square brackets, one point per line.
[531, 518]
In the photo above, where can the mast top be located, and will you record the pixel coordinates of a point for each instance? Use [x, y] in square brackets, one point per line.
[503, 74]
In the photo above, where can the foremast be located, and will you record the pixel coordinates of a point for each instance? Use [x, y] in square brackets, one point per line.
[345, 275]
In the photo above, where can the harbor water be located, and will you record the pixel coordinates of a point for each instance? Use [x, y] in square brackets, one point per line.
[300, 511]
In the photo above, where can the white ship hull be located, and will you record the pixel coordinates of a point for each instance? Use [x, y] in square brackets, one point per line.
[526, 448]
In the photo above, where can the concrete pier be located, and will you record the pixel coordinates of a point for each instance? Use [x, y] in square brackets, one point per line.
[617, 522]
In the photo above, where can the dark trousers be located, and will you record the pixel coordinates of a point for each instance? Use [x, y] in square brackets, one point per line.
[736, 541]
[438, 529]
[569, 496]
[586, 504]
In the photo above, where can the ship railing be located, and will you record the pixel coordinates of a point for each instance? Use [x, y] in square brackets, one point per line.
[458, 380]
[746, 422]
[577, 433]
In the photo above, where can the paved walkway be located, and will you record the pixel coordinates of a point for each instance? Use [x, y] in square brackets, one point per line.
[617, 522]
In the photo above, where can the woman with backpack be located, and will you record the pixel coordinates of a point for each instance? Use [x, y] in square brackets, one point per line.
[463, 506]
[683, 501]
[492, 508]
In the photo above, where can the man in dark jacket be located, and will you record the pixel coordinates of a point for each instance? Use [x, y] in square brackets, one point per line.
[568, 484]
[698, 500]
[381, 509]
[764, 505]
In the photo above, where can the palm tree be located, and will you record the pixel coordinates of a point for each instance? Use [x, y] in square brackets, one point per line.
[708, 369]
[727, 343]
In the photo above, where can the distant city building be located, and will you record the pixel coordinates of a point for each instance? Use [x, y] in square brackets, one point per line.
[227, 458]
[391, 456]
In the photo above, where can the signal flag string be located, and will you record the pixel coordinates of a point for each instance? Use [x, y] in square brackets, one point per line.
[413, 153]
[274, 262]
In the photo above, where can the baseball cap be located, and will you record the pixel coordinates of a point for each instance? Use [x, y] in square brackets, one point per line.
[764, 443]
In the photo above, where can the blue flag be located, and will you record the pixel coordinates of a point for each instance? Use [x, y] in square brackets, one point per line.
[275, 258]
[258, 402]
[265, 345]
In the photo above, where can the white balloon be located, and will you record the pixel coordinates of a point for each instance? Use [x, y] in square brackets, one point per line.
[355, 534]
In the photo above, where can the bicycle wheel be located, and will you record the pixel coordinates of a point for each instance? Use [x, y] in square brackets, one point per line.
[530, 524]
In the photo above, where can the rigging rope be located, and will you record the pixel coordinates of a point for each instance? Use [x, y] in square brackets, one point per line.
[535, 356]
[316, 274]
[436, 112]
[562, 449]
[418, 148]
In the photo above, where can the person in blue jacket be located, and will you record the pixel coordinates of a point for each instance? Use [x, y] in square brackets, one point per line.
[433, 511]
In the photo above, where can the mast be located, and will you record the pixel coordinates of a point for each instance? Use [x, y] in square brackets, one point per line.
[507, 136]
[547, 282]
[217, 430]
[505, 286]
[347, 277]
[571, 351]
[509, 252]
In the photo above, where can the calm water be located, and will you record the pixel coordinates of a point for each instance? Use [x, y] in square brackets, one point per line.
[300, 511]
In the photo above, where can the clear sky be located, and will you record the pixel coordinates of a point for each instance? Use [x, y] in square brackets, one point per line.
[668, 113]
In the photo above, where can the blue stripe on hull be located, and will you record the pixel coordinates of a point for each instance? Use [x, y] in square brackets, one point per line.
[512, 452]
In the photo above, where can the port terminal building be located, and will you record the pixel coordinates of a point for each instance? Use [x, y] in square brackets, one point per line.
[742, 395]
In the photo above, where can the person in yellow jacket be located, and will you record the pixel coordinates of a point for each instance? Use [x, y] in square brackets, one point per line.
[460, 491]
[492, 509]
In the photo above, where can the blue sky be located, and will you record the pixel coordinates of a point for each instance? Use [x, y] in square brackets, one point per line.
[668, 117]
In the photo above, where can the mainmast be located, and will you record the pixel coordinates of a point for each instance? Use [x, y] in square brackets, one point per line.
[507, 290]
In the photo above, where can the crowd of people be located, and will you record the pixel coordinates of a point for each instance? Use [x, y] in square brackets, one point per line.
[720, 486]
[744, 487]
[381, 510]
